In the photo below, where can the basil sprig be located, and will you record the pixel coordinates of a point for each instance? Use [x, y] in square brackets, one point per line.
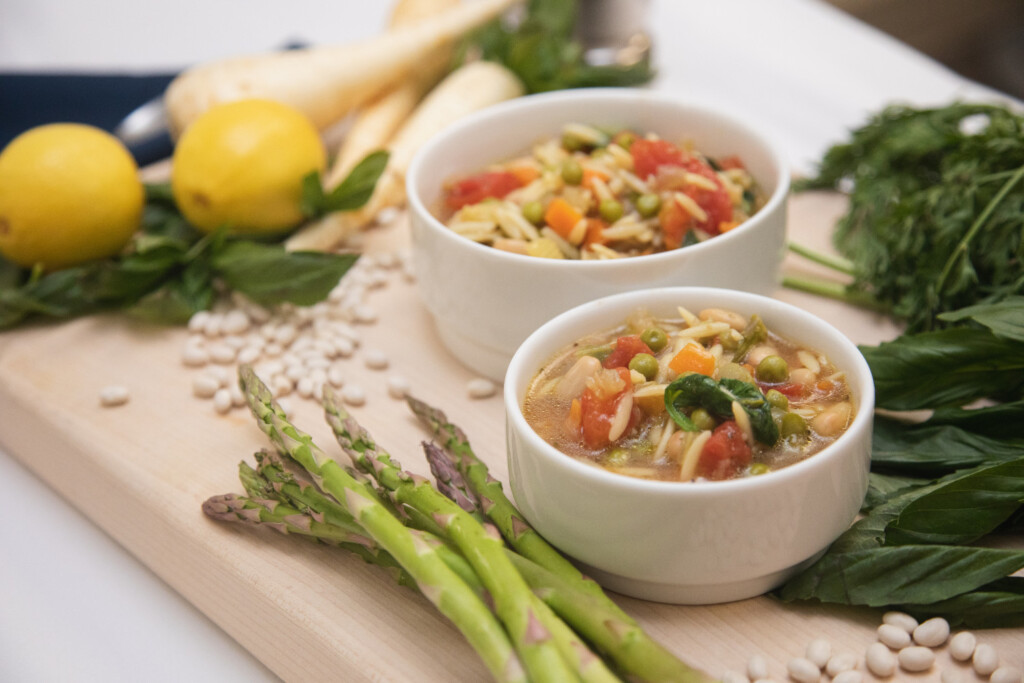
[700, 391]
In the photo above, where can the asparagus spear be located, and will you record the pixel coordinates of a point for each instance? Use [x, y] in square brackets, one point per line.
[619, 637]
[435, 579]
[529, 622]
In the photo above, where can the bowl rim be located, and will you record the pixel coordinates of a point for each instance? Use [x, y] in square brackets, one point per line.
[598, 475]
[595, 96]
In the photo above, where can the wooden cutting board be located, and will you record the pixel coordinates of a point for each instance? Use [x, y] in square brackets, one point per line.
[142, 470]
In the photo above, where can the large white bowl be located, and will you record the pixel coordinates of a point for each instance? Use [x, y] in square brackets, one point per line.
[695, 542]
[485, 301]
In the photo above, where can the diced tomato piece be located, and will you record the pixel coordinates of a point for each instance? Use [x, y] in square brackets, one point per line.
[730, 162]
[675, 223]
[598, 404]
[725, 453]
[716, 203]
[625, 349]
[648, 155]
[595, 232]
[477, 188]
[792, 390]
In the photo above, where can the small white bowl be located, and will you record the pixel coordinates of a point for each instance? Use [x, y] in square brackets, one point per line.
[485, 301]
[695, 542]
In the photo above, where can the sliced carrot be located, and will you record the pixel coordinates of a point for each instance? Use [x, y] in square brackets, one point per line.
[726, 226]
[693, 358]
[824, 385]
[595, 235]
[524, 174]
[588, 178]
[575, 417]
[562, 217]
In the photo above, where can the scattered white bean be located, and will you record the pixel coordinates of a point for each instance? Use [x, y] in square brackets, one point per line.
[733, 677]
[916, 658]
[344, 347]
[901, 619]
[893, 636]
[285, 405]
[375, 360]
[268, 331]
[285, 334]
[985, 660]
[281, 386]
[840, 663]
[1006, 674]
[222, 353]
[295, 372]
[961, 647]
[318, 375]
[353, 395]
[221, 374]
[113, 396]
[365, 314]
[197, 323]
[222, 401]
[273, 349]
[213, 325]
[257, 313]
[880, 660]
[195, 356]
[849, 676]
[236, 322]
[304, 387]
[237, 397]
[249, 355]
[819, 651]
[336, 376]
[398, 387]
[757, 668]
[950, 676]
[205, 386]
[480, 387]
[234, 341]
[932, 633]
[803, 670]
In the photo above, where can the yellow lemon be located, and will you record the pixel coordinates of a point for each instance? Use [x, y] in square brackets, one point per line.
[241, 165]
[69, 193]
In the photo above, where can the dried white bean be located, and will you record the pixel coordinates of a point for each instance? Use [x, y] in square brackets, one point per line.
[353, 394]
[848, 676]
[268, 331]
[932, 633]
[285, 405]
[213, 325]
[319, 363]
[285, 334]
[480, 387]
[273, 349]
[365, 314]
[304, 387]
[803, 670]
[295, 372]
[205, 386]
[757, 668]
[985, 660]
[375, 360]
[819, 651]
[893, 636]
[234, 341]
[950, 676]
[195, 356]
[916, 658]
[1006, 674]
[222, 353]
[344, 347]
[281, 386]
[962, 646]
[901, 619]
[114, 395]
[880, 660]
[222, 401]
[236, 322]
[237, 397]
[221, 374]
[840, 663]
[249, 355]
[197, 323]
[398, 387]
[318, 375]
[257, 313]
[336, 376]
[271, 367]
[733, 677]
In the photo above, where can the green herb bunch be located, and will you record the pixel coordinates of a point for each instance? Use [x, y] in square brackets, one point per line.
[936, 210]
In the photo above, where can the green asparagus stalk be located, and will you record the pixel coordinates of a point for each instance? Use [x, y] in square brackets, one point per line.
[529, 622]
[619, 638]
[438, 583]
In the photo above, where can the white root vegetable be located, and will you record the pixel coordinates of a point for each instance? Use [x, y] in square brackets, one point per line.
[464, 91]
[327, 82]
[378, 121]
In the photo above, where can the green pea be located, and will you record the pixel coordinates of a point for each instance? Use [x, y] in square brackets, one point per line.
[610, 210]
[777, 399]
[654, 338]
[572, 172]
[792, 425]
[573, 143]
[702, 419]
[648, 205]
[758, 468]
[645, 364]
[772, 369]
[617, 457]
[533, 212]
[625, 139]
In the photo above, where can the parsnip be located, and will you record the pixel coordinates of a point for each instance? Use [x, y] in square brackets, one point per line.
[325, 83]
[467, 89]
[377, 122]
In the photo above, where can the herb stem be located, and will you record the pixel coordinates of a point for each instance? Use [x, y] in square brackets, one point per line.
[834, 290]
[837, 263]
[962, 246]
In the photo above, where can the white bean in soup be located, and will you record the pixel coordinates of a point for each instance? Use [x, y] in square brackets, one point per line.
[594, 194]
[708, 396]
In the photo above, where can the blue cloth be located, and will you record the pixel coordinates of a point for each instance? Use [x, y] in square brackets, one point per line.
[102, 100]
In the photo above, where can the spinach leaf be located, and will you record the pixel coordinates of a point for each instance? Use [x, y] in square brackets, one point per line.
[696, 390]
[352, 193]
[945, 368]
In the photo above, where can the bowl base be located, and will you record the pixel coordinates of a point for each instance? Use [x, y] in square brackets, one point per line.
[490, 363]
[694, 594]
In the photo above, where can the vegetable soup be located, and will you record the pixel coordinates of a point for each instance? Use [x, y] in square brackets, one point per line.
[709, 396]
[594, 194]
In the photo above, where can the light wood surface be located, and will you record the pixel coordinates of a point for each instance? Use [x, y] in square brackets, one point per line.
[313, 613]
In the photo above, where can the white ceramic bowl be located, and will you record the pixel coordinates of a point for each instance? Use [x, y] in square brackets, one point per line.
[695, 542]
[485, 301]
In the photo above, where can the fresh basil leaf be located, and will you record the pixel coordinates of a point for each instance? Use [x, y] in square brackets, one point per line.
[353, 192]
[930, 449]
[963, 509]
[944, 368]
[696, 390]
[1005, 318]
[999, 604]
[268, 274]
[883, 487]
[1002, 421]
